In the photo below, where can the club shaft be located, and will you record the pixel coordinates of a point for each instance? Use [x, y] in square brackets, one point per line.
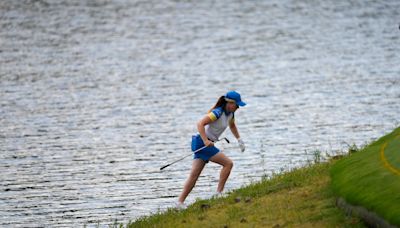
[180, 159]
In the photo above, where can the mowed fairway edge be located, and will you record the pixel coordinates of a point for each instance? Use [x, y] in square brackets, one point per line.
[370, 178]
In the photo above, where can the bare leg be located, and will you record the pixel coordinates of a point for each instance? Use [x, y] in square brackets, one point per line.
[197, 167]
[227, 165]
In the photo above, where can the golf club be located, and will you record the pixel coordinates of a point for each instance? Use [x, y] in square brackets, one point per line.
[165, 166]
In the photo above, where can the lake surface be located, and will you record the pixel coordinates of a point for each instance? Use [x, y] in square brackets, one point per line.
[96, 96]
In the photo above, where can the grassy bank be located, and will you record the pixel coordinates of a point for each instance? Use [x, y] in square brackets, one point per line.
[300, 198]
[371, 177]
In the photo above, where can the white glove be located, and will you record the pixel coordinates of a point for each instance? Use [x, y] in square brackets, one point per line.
[241, 145]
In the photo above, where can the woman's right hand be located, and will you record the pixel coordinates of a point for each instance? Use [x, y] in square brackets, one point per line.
[209, 143]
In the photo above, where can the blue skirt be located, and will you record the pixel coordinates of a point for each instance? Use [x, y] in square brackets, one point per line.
[204, 154]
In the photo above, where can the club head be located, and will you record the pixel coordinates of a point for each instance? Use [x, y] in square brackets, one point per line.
[227, 140]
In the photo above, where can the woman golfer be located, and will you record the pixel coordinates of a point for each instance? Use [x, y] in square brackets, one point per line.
[210, 128]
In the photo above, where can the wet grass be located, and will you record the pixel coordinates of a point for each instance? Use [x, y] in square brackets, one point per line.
[365, 179]
[299, 198]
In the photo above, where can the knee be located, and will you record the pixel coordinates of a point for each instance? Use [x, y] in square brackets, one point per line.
[229, 164]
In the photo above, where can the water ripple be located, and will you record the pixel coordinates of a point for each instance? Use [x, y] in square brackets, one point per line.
[97, 96]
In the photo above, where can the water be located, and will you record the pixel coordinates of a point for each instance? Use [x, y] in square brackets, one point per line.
[97, 96]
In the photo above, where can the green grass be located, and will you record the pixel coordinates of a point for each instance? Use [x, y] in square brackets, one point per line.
[299, 198]
[364, 179]
[304, 197]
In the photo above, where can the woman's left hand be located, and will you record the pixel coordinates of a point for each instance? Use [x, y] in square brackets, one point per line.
[241, 145]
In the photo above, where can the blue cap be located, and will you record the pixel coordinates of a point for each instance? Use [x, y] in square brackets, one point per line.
[234, 96]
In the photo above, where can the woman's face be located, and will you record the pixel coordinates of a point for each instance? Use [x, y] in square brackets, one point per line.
[231, 106]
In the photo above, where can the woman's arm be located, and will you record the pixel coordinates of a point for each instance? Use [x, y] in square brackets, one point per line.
[234, 129]
[201, 128]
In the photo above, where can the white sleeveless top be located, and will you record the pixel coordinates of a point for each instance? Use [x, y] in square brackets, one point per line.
[220, 120]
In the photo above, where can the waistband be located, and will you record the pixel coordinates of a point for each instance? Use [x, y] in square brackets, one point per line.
[198, 135]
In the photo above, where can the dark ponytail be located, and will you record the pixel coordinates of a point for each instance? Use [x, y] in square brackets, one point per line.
[220, 103]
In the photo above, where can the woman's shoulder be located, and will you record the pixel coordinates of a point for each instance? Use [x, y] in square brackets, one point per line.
[218, 110]
[215, 113]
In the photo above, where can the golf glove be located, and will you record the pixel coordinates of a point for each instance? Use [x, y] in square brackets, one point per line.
[241, 145]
